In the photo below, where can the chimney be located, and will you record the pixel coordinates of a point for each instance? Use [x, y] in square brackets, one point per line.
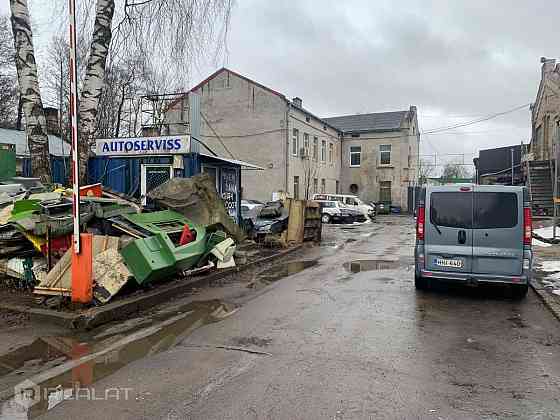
[51, 115]
[297, 102]
[151, 131]
[548, 65]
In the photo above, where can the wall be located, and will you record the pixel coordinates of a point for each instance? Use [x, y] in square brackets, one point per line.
[309, 168]
[402, 171]
[545, 116]
[250, 121]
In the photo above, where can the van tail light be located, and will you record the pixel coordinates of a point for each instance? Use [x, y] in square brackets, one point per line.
[527, 226]
[420, 223]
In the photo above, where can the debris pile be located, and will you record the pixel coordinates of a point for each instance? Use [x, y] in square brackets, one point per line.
[189, 232]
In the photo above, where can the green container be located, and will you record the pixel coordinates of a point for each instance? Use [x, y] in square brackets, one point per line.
[156, 257]
[7, 161]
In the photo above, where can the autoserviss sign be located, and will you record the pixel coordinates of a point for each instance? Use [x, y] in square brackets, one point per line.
[131, 146]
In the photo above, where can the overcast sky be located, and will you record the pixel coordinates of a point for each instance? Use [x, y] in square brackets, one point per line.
[454, 60]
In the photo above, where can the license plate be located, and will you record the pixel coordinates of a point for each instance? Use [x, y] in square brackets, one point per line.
[442, 262]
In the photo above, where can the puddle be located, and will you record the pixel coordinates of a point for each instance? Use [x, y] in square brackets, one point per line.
[370, 265]
[107, 355]
[280, 271]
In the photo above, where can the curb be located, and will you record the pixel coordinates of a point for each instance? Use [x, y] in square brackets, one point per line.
[122, 309]
[549, 301]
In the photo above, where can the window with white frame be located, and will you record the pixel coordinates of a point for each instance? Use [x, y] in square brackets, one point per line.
[315, 148]
[323, 150]
[315, 185]
[306, 143]
[385, 154]
[331, 152]
[355, 156]
[323, 186]
[295, 142]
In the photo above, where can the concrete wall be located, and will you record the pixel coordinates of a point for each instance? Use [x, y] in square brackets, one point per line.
[546, 112]
[401, 172]
[250, 122]
[308, 168]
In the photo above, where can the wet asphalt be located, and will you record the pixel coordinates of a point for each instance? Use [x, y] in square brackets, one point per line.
[341, 333]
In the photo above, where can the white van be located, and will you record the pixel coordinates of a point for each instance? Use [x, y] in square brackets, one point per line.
[351, 201]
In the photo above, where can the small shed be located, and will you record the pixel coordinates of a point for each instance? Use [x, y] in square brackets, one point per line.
[134, 166]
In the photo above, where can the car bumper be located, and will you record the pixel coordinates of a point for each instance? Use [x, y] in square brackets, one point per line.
[472, 278]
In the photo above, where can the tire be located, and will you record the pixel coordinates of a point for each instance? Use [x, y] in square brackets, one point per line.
[421, 283]
[519, 291]
[325, 218]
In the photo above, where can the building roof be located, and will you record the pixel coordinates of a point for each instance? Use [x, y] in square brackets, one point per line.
[244, 165]
[377, 121]
[18, 137]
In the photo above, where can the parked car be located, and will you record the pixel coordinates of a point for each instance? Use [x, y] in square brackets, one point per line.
[474, 234]
[382, 207]
[252, 204]
[335, 212]
[351, 201]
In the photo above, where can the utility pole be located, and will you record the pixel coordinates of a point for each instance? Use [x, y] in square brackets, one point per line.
[511, 166]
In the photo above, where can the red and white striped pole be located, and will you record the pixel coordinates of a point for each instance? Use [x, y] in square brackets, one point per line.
[73, 113]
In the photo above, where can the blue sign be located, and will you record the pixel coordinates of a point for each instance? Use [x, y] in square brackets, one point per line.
[130, 146]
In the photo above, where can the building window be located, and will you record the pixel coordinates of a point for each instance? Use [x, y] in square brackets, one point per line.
[296, 187]
[315, 148]
[315, 185]
[306, 143]
[331, 152]
[323, 150]
[385, 191]
[385, 154]
[337, 188]
[295, 142]
[323, 186]
[355, 155]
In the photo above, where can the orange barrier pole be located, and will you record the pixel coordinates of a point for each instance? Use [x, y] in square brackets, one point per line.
[82, 270]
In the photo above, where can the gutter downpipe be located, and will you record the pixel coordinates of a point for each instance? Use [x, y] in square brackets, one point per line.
[287, 146]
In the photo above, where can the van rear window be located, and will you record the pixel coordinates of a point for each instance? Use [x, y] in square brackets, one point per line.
[451, 209]
[495, 210]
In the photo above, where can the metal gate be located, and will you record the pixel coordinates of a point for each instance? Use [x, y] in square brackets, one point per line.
[153, 175]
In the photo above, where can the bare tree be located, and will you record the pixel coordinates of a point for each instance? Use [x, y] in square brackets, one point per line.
[170, 35]
[425, 171]
[32, 105]
[455, 171]
[310, 174]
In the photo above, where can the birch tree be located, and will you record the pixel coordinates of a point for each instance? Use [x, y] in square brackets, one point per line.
[8, 90]
[32, 105]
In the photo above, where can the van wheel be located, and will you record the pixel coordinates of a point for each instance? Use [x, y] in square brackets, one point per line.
[420, 283]
[325, 218]
[519, 291]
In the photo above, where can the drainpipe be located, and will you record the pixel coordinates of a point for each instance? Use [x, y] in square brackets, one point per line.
[287, 146]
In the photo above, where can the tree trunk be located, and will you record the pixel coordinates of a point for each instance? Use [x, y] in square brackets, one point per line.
[35, 122]
[94, 81]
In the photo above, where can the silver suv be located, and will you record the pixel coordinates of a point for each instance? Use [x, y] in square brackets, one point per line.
[474, 233]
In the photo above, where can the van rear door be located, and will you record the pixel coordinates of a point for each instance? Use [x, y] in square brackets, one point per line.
[498, 230]
[448, 229]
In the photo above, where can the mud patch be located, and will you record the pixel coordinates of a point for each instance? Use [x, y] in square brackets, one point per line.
[358, 266]
[280, 271]
[252, 341]
[104, 356]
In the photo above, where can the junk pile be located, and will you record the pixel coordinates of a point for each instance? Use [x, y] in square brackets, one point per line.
[192, 233]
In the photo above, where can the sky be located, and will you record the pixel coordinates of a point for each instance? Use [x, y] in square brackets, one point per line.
[454, 60]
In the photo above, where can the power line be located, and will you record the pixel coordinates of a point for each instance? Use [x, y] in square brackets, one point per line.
[476, 121]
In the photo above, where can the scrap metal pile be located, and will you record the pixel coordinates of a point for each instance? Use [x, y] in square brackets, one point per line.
[132, 246]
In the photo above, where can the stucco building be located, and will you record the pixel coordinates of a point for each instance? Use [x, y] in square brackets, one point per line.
[545, 112]
[301, 152]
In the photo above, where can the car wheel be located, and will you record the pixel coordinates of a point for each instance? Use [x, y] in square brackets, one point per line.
[325, 218]
[519, 291]
[421, 283]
